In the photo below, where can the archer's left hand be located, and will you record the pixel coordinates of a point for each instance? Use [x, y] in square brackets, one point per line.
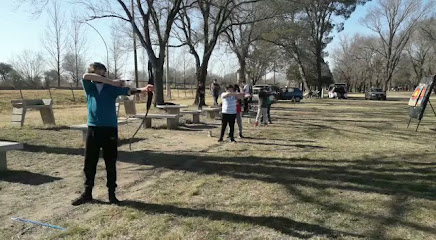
[149, 88]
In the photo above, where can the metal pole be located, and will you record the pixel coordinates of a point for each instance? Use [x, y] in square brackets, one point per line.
[135, 56]
[107, 51]
[184, 71]
[168, 87]
[274, 71]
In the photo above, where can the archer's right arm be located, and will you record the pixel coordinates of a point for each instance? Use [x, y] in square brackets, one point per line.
[97, 78]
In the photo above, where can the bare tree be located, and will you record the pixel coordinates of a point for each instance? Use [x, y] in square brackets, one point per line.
[420, 50]
[117, 53]
[394, 21]
[152, 26]
[291, 34]
[214, 20]
[319, 17]
[54, 39]
[259, 60]
[74, 61]
[30, 65]
[75, 66]
[5, 70]
[244, 31]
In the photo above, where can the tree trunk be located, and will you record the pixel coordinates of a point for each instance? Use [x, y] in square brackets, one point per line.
[201, 84]
[158, 73]
[318, 67]
[301, 69]
[242, 68]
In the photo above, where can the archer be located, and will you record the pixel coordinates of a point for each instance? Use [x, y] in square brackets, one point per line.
[101, 93]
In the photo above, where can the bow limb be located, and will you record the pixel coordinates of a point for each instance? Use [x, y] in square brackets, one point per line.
[149, 100]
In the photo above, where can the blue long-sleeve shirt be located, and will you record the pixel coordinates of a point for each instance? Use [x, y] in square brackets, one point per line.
[101, 105]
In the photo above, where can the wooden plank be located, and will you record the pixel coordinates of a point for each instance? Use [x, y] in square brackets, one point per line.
[172, 123]
[38, 107]
[3, 162]
[17, 111]
[171, 106]
[17, 118]
[32, 102]
[6, 146]
[190, 112]
[157, 116]
[130, 107]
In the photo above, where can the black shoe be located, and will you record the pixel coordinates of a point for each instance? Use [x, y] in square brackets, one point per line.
[113, 199]
[232, 141]
[241, 136]
[86, 197]
[220, 140]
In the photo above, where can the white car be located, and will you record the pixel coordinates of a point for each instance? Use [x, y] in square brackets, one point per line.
[269, 88]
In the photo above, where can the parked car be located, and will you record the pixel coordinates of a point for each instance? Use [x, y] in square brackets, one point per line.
[375, 93]
[338, 90]
[291, 94]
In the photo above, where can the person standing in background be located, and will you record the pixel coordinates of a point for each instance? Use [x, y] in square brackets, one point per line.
[229, 98]
[247, 94]
[215, 89]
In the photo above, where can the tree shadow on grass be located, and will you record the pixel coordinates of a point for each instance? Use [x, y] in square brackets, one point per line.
[53, 128]
[284, 145]
[360, 175]
[390, 176]
[284, 140]
[281, 224]
[25, 177]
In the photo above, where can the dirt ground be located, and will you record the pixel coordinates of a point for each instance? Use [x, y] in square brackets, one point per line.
[325, 169]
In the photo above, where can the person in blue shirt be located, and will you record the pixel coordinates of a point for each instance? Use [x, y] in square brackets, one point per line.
[101, 93]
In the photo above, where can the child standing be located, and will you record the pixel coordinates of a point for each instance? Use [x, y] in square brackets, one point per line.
[262, 110]
[229, 98]
[101, 94]
[239, 112]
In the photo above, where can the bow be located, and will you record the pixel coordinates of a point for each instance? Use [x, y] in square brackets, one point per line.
[149, 100]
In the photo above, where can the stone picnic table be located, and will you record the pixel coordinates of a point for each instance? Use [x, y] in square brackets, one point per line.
[172, 109]
[4, 147]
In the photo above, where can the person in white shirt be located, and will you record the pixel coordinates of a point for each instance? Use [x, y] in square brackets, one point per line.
[229, 98]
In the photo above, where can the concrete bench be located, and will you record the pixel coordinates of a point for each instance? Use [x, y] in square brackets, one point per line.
[195, 115]
[172, 119]
[212, 112]
[129, 103]
[20, 107]
[4, 147]
[172, 109]
[84, 128]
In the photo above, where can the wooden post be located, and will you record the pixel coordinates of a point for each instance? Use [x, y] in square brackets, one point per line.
[195, 118]
[147, 123]
[72, 91]
[49, 91]
[3, 163]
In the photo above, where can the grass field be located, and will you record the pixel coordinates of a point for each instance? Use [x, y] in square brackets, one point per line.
[325, 169]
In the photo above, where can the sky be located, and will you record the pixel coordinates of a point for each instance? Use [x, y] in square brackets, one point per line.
[23, 31]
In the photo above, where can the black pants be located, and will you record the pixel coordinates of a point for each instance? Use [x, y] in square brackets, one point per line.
[268, 113]
[246, 104]
[230, 120]
[105, 138]
[215, 98]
